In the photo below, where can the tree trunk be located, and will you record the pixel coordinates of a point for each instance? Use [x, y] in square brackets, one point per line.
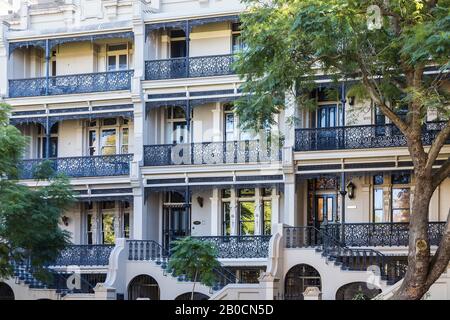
[193, 287]
[415, 282]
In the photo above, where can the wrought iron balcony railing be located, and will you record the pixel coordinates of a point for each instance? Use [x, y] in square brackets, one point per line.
[84, 255]
[211, 153]
[69, 84]
[359, 137]
[189, 67]
[235, 247]
[381, 234]
[74, 167]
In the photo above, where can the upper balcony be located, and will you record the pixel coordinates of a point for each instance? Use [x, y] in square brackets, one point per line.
[231, 152]
[189, 67]
[71, 65]
[78, 167]
[359, 137]
[69, 84]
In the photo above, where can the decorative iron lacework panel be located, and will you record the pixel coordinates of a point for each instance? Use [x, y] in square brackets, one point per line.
[239, 246]
[210, 153]
[382, 234]
[359, 137]
[77, 83]
[91, 166]
[189, 67]
[84, 255]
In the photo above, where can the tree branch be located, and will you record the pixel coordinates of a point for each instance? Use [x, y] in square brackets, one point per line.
[439, 262]
[441, 174]
[437, 145]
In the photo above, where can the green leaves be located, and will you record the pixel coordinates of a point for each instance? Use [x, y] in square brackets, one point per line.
[291, 42]
[194, 259]
[29, 218]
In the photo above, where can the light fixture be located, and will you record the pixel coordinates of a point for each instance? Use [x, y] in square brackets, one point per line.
[352, 100]
[351, 190]
[65, 220]
[200, 201]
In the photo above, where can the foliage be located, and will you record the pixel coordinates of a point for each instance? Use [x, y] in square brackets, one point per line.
[29, 217]
[289, 42]
[194, 259]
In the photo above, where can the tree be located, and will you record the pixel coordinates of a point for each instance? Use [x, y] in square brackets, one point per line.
[29, 217]
[290, 42]
[194, 259]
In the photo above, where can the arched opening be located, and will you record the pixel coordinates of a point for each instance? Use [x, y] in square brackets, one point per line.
[6, 293]
[298, 279]
[357, 291]
[143, 287]
[197, 296]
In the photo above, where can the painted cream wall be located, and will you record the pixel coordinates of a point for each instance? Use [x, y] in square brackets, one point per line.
[154, 221]
[358, 114]
[70, 139]
[212, 39]
[201, 214]
[73, 58]
[203, 126]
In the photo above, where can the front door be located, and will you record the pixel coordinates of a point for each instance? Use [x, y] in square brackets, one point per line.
[176, 223]
[325, 209]
[327, 122]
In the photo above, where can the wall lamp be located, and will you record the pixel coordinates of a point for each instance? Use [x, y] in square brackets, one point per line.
[351, 190]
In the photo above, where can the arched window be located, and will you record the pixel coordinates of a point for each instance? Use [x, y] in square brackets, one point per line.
[143, 287]
[6, 293]
[357, 291]
[298, 279]
[197, 296]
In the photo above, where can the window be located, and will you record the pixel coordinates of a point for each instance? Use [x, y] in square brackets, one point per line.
[117, 57]
[89, 228]
[401, 178]
[226, 219]
[126, 225]
[401, 204]
[237, 45]
[177, 44]
[229, 125]
[267, 218]
[378, 206]
[42, 142]
[176, 125]
[107, 137]
[247, 218]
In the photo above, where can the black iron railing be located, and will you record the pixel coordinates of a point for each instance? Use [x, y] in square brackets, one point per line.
[149, 250]
[84, 255]
[301, 237]
[235, 247]
[359, 137]
[381, 234]
[88, 166]
[211, 153]
[69, 84]
[189, 67]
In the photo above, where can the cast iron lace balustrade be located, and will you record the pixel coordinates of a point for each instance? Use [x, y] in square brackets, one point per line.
[68, 84]
[301, 237]
[247, 151]
[236, 247]
[26, 274]
[189, 67]
[381, 234]
[360, 137]
[89, 166]
[149, 250]
[391, 268]
[84, 255]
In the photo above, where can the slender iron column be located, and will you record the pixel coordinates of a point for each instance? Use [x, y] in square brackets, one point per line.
[188, 35]
[47, 138]
[343, 193]
[47, 66]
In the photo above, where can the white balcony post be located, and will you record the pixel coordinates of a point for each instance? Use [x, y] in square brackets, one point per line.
[215, 213]
[258, 212]
[4, 57]
[290, 201]
[234, 223]
[275, 207]
[140, 214]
